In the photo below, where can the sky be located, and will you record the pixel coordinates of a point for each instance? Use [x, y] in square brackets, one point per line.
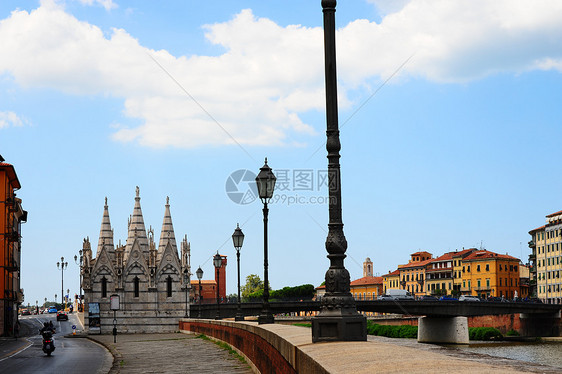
[449, 114]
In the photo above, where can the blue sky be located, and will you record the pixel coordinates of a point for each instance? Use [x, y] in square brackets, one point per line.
[459, 148]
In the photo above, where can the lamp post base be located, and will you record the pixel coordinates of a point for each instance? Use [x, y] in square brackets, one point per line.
[265, 318]
[339, 328]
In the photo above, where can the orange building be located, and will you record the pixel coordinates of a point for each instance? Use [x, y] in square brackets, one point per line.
[488, 274]
[11, 217]
[412, 274]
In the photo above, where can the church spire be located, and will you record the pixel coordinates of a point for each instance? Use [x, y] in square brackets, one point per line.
[136, 227]
[106, 234]
[167, 232]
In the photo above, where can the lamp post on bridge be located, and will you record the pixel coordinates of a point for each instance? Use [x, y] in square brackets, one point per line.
[217, 261]
[238, 240]
[61, 266]
[199, 273]
[338, 319]
[266, 184]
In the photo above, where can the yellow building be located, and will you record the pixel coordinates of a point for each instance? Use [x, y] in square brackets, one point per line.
[368, 287]
[458, 256]
[391, 281]
[488, 274]
[412, 274]
[546, 260]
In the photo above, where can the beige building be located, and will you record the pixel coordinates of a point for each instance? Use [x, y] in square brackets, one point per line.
[546, 260]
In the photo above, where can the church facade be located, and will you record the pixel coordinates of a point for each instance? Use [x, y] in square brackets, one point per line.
[152, 282]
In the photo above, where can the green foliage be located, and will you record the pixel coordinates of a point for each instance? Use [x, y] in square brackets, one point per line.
[253, 284]
[484, 333]
[302, 292]
[455, 293]
[512, 333]
[303, 324]
[402, 331]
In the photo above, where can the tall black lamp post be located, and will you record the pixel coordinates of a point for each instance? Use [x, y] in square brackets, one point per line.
[61, 266]
[217, 261]
[266, 184]
[199, 273]
[80, 262]
[338, 319]
[238, 240]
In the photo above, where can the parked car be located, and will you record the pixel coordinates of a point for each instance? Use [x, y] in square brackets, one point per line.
[384, 297]
[448, 298]
[496, 299]
[25, 312]
[469, 298]
[428, 298]
[61, 315]
[399, 294]
[52, 309]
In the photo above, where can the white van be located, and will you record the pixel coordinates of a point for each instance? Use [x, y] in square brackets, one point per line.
[399, 294]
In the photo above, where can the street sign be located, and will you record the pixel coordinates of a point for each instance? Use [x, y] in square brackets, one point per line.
[73, 327]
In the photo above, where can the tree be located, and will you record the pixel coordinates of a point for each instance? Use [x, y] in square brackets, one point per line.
[253, 284]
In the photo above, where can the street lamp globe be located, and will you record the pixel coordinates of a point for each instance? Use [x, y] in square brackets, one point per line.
[217, 260]
[199, 273]
[238, 238]
[265, 182]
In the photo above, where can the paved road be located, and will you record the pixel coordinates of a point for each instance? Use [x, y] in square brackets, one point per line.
[70, 355]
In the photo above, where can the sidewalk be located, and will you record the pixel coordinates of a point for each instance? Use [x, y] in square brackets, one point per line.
[168, 353]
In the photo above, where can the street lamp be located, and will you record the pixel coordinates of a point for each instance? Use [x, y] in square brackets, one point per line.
[338, 318]
[238, 240]
[61, 266]
[266, 184]
[217, 261]
[199, 273]
[80, 262]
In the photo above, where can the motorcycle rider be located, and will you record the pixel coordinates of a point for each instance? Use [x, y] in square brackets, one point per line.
[47, 326]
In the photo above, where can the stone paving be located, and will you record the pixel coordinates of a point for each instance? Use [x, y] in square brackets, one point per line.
[169, 353]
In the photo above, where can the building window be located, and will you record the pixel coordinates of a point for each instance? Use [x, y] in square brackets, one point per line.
[477, 267]
[169, 286]
[478, 283]
[103, 287]
[468, 268]
[136, 286]
[487, 283]
[487, 267]
[501, 280]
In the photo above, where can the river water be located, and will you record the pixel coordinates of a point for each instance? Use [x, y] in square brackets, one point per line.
[545, 353]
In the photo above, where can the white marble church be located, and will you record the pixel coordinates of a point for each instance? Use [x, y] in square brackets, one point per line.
[151, 282]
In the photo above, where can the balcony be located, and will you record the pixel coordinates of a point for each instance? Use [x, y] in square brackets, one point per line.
[12, 265]
[532, 244]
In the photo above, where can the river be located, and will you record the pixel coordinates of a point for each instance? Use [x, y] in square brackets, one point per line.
[546, 353]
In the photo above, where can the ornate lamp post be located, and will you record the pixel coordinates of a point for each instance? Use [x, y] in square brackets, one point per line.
[80, 262]
[266, 184]
[61, 266]
[338, 318]
[238, 240]
[199, 273]
[217, 261]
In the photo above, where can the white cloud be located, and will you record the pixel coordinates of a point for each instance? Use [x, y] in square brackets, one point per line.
[8, 119]
[107, 4]
[270, 74]
[454, 41]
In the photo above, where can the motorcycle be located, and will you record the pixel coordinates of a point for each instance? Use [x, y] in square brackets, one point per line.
[48, 342]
